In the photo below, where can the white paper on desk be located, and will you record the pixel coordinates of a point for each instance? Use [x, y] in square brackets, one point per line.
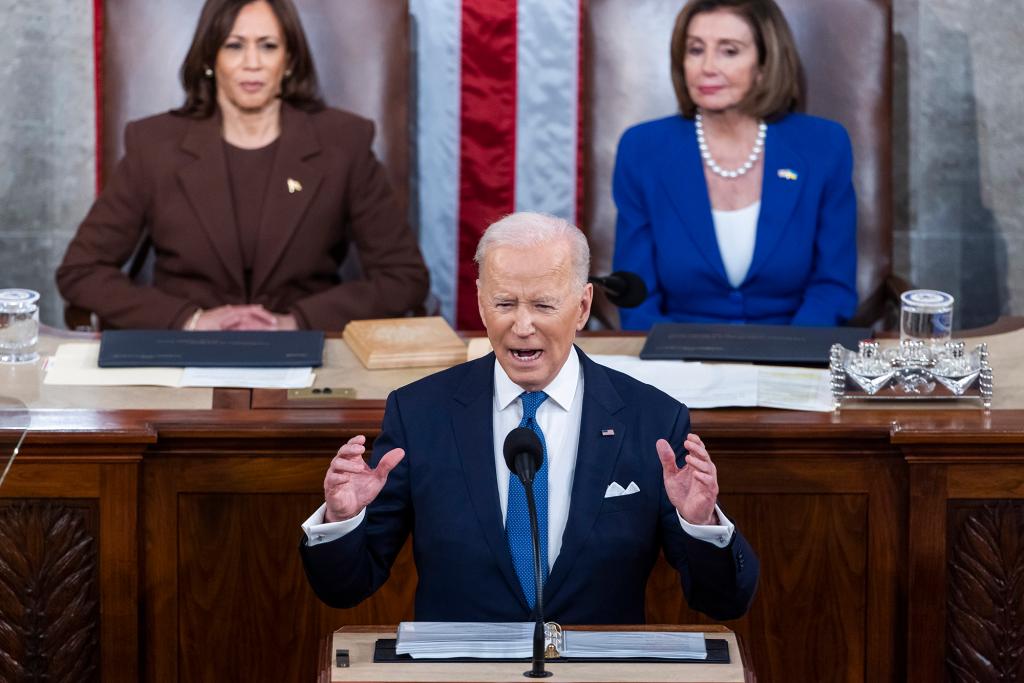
[447, 639]
[794, 388]
[248, 378]
[720, 385]
[77, 364]
[698, 385]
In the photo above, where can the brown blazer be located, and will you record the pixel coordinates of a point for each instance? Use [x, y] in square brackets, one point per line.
[172, 182]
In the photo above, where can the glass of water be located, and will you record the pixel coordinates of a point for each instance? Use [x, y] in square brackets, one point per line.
[19, 325]
[926, 315]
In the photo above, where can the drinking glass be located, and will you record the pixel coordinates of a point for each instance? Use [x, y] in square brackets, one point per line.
[19, 325]
[926, 315]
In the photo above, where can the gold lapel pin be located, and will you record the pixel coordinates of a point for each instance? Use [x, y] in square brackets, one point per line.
[787, 174]
[294, 186]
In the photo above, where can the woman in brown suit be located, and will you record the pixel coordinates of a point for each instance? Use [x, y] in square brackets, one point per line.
[251, 194]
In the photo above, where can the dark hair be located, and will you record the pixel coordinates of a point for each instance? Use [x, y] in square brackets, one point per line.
[300, 88]
[777, 91]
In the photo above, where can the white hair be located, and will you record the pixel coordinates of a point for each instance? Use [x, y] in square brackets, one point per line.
[528, 229]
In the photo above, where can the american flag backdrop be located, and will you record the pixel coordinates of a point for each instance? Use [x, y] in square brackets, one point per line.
[498, 127]
[497, 88]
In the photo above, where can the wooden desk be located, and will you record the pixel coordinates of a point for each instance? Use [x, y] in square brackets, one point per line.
[359, 641]
[175, 533]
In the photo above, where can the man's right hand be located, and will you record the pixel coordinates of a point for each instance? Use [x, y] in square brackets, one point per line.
[351, 484]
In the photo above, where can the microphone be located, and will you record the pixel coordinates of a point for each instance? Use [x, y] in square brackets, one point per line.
[624, 289]
[524, 456]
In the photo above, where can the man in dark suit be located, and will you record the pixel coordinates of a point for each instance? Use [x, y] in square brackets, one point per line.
[611, 493]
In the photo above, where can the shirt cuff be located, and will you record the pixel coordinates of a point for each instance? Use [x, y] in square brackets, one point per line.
[318, 531]
[716, 534]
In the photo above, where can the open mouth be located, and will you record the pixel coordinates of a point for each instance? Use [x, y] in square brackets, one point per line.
[526, 355]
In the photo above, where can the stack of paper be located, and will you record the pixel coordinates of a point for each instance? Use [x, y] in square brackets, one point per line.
[450, 639]
[714, 385]
[76, 364]
[634, 644]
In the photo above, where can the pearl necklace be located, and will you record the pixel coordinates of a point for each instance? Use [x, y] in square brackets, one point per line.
[755, 154]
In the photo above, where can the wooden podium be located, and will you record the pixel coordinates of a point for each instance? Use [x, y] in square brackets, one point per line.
[359, 641]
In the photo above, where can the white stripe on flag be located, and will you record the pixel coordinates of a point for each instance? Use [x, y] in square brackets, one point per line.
[547, 98]
[436, 31]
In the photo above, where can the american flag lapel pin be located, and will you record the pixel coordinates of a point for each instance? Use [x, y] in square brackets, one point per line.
[607, 432]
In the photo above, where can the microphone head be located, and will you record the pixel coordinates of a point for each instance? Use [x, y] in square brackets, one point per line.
[623, 288]
[519, 442]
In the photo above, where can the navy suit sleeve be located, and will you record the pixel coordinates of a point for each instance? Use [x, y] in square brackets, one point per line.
[831, 294]
[634, 235]
[346, 571]
[720, 582]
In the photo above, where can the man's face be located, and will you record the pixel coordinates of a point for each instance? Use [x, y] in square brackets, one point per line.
[532, 307]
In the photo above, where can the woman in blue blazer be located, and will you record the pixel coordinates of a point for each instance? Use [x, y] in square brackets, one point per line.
[738, 210]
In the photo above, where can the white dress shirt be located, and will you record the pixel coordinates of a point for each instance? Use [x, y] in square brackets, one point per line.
[559, 418]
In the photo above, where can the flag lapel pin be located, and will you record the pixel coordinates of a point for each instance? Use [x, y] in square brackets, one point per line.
[607, 432]
[294, 186]
[787, 174]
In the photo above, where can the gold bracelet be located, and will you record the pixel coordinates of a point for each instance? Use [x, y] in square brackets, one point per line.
[194, 320]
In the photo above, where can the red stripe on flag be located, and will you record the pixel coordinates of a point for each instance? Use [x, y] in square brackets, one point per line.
[97, 46]
[487, 148]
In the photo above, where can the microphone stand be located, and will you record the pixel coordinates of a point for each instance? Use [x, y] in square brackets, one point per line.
[538, 629]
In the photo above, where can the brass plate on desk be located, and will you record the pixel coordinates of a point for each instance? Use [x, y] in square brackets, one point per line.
[319, 393]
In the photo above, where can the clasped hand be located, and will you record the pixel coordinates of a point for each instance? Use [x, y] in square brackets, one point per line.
[351, 484]
[249, 317]
[693, 488]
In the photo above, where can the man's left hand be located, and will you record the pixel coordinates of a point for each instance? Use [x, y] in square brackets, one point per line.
[693, 488]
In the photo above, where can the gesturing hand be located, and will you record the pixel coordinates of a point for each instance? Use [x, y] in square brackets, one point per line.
[351, 484]
[692, 489]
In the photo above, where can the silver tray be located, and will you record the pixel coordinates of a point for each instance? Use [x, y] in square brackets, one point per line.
[913, 370]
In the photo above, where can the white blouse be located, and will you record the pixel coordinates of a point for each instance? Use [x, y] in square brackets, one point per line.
[736, 232]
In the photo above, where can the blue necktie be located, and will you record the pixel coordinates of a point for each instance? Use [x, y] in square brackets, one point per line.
[517, 518]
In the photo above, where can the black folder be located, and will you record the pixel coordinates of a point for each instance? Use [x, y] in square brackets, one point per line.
[718, 653]
[778, 344]
[176, 349]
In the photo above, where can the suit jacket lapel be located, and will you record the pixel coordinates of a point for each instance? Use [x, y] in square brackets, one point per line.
[784, 178]
[205, 184]
[474, 437]
[596, 456]
[682, 178]
[293, 184]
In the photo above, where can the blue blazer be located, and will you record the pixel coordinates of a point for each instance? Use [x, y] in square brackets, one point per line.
[804, 269]
[445, 493]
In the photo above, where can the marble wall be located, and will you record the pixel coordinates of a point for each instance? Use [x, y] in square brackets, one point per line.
[47, 139]
[959, 155]
[958, 164]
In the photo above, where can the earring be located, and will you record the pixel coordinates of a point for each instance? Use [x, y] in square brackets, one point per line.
[208, 73]
[288, 73]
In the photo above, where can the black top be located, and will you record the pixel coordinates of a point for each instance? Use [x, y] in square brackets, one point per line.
[248, 174]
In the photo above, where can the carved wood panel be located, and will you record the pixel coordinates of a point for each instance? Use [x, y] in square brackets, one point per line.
[985, 591]
[49, 590]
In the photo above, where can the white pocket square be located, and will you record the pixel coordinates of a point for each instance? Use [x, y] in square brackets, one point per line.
[615, 489]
